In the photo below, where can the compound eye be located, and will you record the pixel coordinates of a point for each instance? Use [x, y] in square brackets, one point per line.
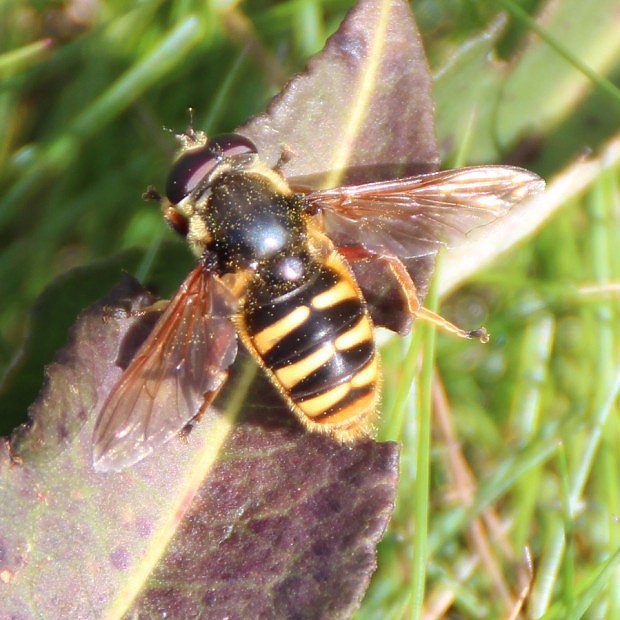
[195, 165]
[188, 171]
[232, 144]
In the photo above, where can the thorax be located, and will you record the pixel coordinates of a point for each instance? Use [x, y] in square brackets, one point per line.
[251, 223]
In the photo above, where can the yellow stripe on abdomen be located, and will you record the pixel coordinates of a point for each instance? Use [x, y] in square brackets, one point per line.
[360, 332]
[268, 337]
[291, 375]
[339, 292]
[319, 404]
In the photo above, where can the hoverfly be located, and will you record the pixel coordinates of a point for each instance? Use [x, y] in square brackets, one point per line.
[288, 274]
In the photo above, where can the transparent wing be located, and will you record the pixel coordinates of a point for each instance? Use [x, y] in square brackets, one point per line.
[175, 374]
[415, 216]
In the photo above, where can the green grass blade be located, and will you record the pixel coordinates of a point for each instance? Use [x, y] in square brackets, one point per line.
[601, 82]
[422, 503]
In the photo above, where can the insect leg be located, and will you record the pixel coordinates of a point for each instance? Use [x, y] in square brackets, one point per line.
[408, 299]
[186, 431]
[286, 154]
[425, 314]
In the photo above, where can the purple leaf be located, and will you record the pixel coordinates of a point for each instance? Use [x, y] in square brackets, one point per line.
[250, 515]
[363, 108]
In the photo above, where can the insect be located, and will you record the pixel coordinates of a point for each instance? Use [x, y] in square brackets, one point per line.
[288, 274]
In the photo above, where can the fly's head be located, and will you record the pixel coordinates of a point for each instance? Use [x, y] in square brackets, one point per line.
[199, 163]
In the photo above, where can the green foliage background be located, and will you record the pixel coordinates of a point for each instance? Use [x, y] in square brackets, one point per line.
[85, 90]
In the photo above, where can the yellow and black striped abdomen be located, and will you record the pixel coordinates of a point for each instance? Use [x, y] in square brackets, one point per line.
[316, 343]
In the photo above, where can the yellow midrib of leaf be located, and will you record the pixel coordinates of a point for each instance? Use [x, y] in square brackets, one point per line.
[364, 91]
[196, 471]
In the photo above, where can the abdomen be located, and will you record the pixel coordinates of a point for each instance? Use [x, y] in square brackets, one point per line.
[316, 344]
